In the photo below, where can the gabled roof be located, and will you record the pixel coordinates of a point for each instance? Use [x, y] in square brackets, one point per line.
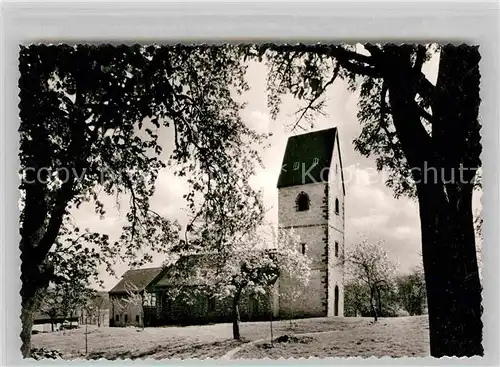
[312, 153]
[137, 278]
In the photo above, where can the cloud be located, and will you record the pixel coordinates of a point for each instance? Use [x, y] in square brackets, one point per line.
[369, 220]
[405, 232]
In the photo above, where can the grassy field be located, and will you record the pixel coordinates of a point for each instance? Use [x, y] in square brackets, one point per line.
[394, 337]
[325, 337]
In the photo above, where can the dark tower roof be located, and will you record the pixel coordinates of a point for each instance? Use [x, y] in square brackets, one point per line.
[300, 155]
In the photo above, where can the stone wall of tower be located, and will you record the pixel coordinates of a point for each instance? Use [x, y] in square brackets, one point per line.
[336, 225]
[312, 228]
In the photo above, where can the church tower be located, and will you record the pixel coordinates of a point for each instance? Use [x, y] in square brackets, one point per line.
[311, 201]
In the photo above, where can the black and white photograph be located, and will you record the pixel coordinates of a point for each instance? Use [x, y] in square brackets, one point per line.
[250, 200]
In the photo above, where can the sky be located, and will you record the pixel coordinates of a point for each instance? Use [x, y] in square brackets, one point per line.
[371, 210]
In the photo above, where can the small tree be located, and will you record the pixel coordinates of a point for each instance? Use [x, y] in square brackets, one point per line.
[98, 302]
[411, 291]
[356, 299]
[75, 296]
[134, 300]
[246, 268]
[368, 263]
[94, 308]
[256, 272]
[117, 306]
[290, 294]
[295, 269]
[51, 305]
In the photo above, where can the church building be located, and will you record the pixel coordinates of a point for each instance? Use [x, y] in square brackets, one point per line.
[311, 202]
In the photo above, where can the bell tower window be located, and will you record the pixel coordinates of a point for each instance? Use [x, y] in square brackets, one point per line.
[302, 202]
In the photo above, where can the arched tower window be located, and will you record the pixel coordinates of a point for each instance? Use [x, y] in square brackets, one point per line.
[336, 249]
[337, 205]
[302, 202]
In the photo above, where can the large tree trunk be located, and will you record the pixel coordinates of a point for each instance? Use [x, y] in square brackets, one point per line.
[35, 280]
[35, 272]
[448, 239]
[29, 305]
[445, 201]
[451, 273]
[27, 319]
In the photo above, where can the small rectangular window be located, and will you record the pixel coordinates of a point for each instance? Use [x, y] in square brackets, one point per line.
[336, 249]
[303, 248]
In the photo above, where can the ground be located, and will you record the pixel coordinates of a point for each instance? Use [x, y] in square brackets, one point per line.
[324, 337]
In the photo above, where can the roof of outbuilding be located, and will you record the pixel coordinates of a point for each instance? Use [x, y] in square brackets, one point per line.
[307, 153]
[137, 278]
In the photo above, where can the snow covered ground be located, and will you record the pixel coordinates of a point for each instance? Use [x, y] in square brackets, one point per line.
[337, 337]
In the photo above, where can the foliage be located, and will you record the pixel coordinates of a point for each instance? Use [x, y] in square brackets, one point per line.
[42, 353]
[51, 305]
[244, 268]
[406, 292]
[94, 309]
[66, 299]
[75, 268]
[306, 72]
[116, 99]
[369, 266]
[356, 299]
[411, 291]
